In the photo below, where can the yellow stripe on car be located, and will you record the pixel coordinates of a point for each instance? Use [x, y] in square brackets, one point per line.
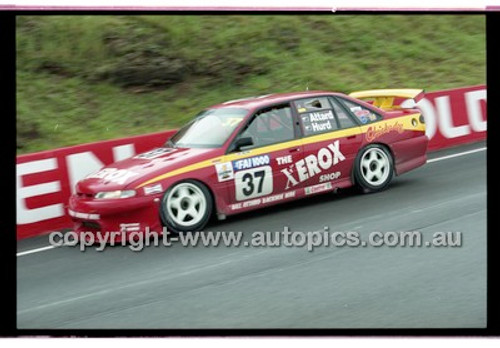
[406, 123]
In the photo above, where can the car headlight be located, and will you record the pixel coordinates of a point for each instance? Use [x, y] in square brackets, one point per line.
[115, 194]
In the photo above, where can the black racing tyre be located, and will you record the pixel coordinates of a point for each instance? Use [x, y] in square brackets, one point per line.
[373, 168]
[186, 206]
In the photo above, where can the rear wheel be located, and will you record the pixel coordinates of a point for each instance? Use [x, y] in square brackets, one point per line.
[186, 206]
[374, 168]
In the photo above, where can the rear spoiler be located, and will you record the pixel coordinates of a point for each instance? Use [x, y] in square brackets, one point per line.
[384, 98]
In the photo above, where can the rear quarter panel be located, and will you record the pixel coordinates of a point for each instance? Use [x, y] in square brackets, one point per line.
[404, 134]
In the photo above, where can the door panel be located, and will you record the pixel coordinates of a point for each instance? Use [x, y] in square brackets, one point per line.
[331, 143]
[261, 171]
[331, 160]
[253, 183]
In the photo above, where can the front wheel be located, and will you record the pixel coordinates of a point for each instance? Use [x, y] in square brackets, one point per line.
[374, 168]
[186, 206]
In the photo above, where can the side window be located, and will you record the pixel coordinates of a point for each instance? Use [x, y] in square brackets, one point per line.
[316, 115]
[270, 126]
[312, 104]
[345, 120]
[364, 115]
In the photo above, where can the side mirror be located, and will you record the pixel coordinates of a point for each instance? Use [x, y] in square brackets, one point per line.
[243, 142]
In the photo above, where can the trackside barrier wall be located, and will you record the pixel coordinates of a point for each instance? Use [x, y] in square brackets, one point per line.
[45, 180]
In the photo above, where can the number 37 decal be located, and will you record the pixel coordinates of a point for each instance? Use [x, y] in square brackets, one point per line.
[253, 183]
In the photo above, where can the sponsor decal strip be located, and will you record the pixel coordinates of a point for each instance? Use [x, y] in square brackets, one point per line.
[405, 121]
[149, 190]
[130, 227]
[318, 188]
[224, 171]
[264, 200]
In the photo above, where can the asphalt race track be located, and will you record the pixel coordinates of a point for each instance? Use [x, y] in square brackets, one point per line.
[285, 287]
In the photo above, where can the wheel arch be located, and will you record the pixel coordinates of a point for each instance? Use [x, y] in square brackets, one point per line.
[164, 219]
[384, 145]
[198, 180]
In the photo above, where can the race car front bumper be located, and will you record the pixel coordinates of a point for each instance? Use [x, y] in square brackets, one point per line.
[119, 217]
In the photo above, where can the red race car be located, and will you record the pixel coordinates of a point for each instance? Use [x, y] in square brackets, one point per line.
[255, 152]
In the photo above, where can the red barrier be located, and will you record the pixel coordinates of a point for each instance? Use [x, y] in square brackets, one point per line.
[455, 116]
[45, 180]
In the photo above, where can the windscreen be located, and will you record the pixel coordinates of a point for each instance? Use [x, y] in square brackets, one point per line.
[210, 128]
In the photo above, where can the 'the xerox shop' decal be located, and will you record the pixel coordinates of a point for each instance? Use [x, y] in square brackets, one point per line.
[253, 182]
[313, 165]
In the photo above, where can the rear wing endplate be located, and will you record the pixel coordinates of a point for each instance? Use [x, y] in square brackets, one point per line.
[384, 98]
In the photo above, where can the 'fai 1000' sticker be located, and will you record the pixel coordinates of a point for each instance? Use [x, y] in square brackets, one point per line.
[251, 162]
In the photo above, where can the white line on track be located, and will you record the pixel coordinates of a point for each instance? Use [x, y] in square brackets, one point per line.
[455, 155]
[27, 252]
[437, 159]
